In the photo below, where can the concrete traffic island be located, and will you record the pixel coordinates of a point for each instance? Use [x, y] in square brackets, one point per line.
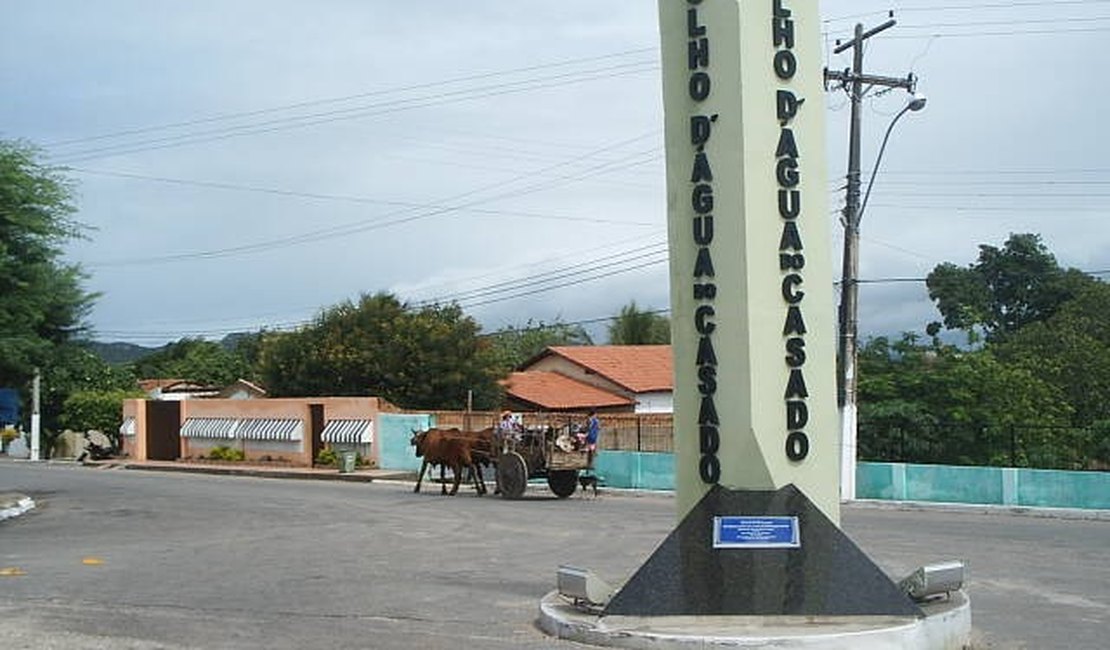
[779, 575]
[945, 626]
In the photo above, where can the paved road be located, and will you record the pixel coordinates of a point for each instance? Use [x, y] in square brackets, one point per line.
[122, 559]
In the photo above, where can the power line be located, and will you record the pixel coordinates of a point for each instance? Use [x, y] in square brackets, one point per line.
[334, 100]
[970, 7]
[342, 198]
[1031, 32]
[986, 208]
[383, 108]
[608, 274]
[394, 218]
[538, 280]
[428, 288]
[139, 334]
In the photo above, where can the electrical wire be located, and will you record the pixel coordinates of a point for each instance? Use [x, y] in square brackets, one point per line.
[395, 218]
[384, 108]
[345, 98]
[346, 198]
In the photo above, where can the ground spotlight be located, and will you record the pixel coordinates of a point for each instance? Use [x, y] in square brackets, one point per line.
[933, 580]
[583, 588]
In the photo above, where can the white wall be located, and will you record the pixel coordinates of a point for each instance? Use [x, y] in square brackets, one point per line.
[660, 402]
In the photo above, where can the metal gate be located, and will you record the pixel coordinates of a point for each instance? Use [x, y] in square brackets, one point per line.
[316, 426]
[163, 430]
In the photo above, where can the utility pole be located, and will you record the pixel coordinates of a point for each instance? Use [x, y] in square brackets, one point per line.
[36, 417]
[853, 81]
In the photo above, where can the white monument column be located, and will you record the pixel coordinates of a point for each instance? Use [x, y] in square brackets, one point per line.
[752, 307]
[757, 557]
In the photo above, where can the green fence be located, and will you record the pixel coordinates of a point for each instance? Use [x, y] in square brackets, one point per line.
[1042, 488]
[888, 481]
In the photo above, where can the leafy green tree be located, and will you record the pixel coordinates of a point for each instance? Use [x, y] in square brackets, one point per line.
[943, 404]
[195, 360]
[417, 358]
[70, 369]
[96, 409]
[1006, 289]
[42, 302]
[634, 326]
[513, 346]
[1070, 350]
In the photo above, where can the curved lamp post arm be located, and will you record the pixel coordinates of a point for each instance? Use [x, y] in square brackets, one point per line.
[916, 104]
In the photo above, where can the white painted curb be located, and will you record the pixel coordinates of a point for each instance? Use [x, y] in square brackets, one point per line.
[946, 627]
[23, 505]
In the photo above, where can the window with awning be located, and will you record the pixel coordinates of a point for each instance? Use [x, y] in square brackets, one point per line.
[280, 429]
[351, 432]
[270, 429]
[209, 427]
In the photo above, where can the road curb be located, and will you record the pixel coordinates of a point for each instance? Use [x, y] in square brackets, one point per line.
[981, 509]
[223, 470]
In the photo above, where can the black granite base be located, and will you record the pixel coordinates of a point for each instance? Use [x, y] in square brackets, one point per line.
[827, 575]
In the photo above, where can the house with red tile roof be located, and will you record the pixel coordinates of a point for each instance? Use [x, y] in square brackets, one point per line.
[609, 378]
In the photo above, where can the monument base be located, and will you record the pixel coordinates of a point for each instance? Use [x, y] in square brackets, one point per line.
[946, 625]
[761, 569]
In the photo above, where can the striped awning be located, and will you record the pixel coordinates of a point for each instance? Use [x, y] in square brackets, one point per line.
[128, 426]
[270, 429]
[349, 431]
[209, 427]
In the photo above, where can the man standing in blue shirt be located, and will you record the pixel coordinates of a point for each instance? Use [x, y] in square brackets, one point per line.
[593, 431]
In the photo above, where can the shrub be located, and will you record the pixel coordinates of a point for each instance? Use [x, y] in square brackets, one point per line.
[227, 453]
[327, 457]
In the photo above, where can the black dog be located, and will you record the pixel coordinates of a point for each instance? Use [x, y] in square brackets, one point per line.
[588, 481]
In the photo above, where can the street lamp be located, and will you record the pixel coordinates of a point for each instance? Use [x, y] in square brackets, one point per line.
[916, 103]
[849, 292]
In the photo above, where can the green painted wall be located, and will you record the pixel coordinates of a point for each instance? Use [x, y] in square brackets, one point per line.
[1047, 488]
[394, 432]
[983, 485]
[884, 481]
[636, 470]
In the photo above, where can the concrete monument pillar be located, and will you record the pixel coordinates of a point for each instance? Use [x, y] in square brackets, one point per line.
[751, 273]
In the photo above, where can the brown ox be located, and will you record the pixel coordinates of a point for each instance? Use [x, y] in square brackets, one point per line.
[452, 448]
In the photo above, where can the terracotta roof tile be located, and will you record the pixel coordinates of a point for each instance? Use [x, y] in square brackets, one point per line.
[554, 391]
[639, 368]
[148, 385]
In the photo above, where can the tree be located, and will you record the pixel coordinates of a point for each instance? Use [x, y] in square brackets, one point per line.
[943, 404]
[99, 410]
[71, 369]
[42, 302]
[195, 360]
[513, 346]
[1070, 350]
[417, 358]
[635, 327]
[1006, 289]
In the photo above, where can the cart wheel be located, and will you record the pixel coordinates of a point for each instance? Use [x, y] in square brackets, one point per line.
[512, 475]
[563, 482]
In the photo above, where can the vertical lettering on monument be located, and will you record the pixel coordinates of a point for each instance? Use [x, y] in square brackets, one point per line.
[701, 201]
[791, 249]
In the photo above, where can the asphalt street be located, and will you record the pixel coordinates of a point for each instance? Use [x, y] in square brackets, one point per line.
[143, 560]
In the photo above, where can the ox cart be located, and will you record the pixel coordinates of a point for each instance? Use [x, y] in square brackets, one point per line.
[552, 453]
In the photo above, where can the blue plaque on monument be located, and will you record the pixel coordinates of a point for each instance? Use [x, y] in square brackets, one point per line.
[756, 532]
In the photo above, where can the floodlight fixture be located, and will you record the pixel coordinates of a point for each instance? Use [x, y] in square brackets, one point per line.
[934, 580]
[584, 589]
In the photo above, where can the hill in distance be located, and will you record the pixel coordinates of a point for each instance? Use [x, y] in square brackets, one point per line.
[120, 353]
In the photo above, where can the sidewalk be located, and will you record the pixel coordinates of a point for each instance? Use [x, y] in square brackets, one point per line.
[262, 471]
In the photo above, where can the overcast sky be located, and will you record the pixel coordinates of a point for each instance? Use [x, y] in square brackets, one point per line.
[243, 163]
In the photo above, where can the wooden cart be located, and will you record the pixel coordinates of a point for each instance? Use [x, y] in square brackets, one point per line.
[540, 452]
